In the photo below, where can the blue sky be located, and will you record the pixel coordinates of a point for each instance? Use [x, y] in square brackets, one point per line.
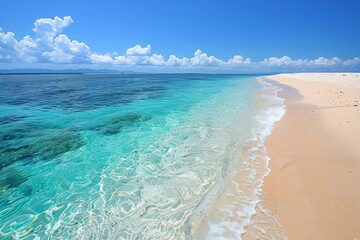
[264, 35]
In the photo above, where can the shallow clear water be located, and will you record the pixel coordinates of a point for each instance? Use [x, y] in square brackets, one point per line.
[118, 156]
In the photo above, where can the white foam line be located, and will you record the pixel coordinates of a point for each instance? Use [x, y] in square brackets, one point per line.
[245, 211]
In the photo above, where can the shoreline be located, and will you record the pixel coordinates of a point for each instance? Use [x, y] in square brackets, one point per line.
[230, 213]
[314, 152]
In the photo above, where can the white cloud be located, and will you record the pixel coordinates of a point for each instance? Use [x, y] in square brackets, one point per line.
[286, 61]
[283, 61]
[138, 50]
[8, 46]
[123, 60]
[175, 61]
[325, 61]
[238, 60]
[202, 59]
[274, 61]
[46, 28]
[50, 45]
[155, 59]
[102, 58]
[354, 61]
[65, 50]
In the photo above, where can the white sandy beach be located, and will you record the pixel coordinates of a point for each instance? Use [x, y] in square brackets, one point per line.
[313, 186]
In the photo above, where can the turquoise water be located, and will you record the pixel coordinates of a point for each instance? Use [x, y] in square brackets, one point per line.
[117, 156]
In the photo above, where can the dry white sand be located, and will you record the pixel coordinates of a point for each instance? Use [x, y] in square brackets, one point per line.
[345, 79]
[314, 184]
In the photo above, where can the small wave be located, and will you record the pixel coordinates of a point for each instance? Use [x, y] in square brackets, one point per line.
[238, 212]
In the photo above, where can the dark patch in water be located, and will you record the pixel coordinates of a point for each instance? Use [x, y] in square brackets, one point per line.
[117, 124]
[64, 142]
[11, 178]
[62, 91]
[79, 92]
[148, 89]
[10, 119]
[31, 142]
[27, 190]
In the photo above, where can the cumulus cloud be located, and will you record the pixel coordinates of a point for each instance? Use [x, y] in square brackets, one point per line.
[8, 46]
[326, 62]
[50, 45]
[297, 63]
[202, 59]
[65, 50]
[175, 61]
[138, 50]
[274, 61]
[239, 60]
[354, 61]
[101, 58]
[46, 28]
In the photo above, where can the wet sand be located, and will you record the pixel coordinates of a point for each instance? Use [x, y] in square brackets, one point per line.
[313, 188]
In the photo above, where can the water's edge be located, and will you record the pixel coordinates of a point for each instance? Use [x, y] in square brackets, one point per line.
[264, 224]
[236, 210]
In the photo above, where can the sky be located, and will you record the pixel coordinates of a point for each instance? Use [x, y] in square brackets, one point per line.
[235, 36]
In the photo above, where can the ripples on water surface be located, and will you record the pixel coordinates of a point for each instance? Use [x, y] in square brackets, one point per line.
[117, 156]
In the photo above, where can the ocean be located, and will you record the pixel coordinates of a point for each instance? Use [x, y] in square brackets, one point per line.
[133, 156]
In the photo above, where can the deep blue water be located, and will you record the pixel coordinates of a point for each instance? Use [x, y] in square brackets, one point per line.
[116, 156]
